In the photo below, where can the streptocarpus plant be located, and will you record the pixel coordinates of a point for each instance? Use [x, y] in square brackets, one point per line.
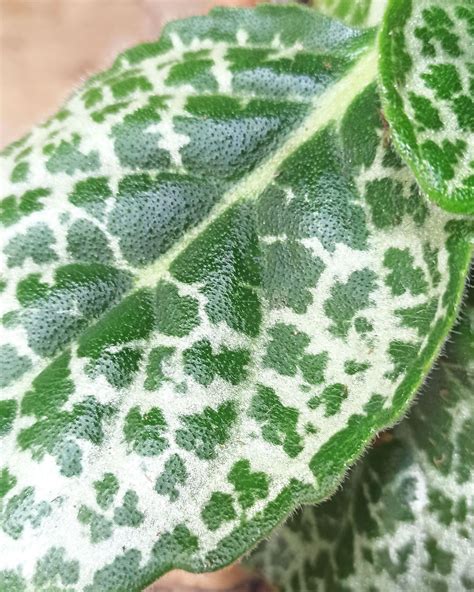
[220, 281]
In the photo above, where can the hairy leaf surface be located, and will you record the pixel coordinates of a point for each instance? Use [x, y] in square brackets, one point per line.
[405, 518]
[219, 282]
[427, 75]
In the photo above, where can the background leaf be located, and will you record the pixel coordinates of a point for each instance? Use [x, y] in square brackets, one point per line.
[427, 55]
[219, 282]
[405, 517]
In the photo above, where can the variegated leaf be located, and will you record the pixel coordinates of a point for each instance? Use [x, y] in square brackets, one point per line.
[427, 74]
[219, 282]
[358, 13]
[405, 518]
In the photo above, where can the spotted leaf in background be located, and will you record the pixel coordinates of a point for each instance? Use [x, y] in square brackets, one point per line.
[427, 61]
[405, 517]
[219, 282]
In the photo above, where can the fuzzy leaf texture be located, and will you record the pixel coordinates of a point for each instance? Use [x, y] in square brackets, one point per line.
[405, 518]
[219, 282]
[427, 75]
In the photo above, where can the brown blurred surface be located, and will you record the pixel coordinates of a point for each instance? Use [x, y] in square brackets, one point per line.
[48, 46]
[231, 579]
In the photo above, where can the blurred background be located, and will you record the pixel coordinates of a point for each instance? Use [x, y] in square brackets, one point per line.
[47, 47]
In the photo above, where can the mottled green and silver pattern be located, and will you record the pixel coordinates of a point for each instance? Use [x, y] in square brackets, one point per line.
[427, 75]
[405, 517]
[358, 13]
[219, 281]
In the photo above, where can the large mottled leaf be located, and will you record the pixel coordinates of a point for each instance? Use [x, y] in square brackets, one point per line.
[219, 282]
[427, 74]
[405, 518]
[358, 13]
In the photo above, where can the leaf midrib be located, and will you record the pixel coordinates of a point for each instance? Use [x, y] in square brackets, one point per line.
[329, 106]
